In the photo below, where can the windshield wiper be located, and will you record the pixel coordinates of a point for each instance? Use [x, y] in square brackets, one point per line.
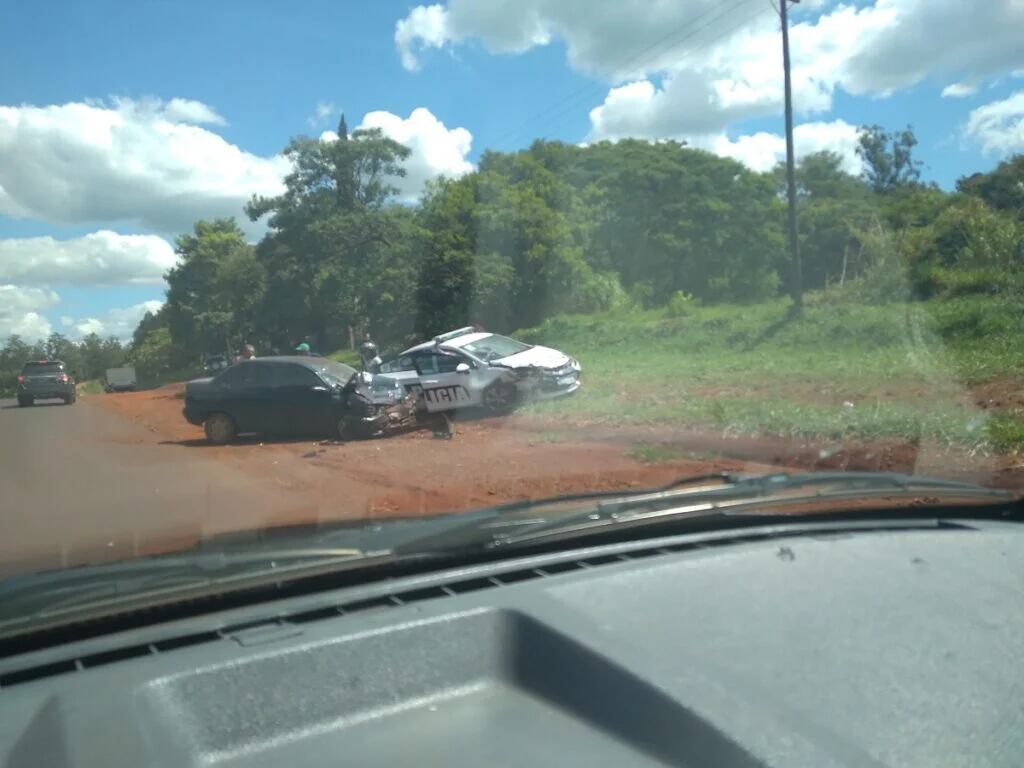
[721, 496]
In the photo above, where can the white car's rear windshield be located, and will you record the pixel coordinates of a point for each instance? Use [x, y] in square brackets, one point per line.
[495, 347]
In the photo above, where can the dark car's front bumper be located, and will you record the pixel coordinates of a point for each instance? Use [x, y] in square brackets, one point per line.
[193, 415]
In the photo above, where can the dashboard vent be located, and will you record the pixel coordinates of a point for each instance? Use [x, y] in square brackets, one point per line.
[377, 603]
[392, 600]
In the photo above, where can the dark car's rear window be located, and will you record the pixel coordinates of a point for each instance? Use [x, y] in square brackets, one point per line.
[37, 368]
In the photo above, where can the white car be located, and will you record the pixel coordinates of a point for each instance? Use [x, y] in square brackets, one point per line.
[468, 368]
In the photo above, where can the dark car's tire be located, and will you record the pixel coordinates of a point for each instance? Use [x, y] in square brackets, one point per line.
[343, 429]
[69, 399]
[500, 397]
[220, 428]
[24, 402]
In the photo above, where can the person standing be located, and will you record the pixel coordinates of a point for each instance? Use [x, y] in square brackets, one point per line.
[368, 353]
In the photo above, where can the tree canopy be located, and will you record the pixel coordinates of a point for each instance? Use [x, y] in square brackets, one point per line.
[559, 228]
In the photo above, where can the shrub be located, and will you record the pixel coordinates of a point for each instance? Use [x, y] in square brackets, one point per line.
[680, 304]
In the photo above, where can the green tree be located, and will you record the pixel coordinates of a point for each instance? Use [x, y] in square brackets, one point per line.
[333, 239]
[888, 157]
[1002, 188]
[59, 347]
[97, 355]
[214, 290]
[833, 207]
[968, 248]
[12, 357]
[445, 285]
[157, 355]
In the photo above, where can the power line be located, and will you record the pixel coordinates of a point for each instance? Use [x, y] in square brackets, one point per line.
[638, 60]
[743, 22]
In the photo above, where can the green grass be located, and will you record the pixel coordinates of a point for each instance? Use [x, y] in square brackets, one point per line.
[90, 387]
[1006, 433]
[843, 370]
[658, 453]
[347, 356]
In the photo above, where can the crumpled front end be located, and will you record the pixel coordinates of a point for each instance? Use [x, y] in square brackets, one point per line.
[542, 383]
[377, 409]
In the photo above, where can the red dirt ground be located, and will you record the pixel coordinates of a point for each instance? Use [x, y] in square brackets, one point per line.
[491, 461]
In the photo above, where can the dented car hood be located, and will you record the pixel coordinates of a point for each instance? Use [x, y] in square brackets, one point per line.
[539, 357]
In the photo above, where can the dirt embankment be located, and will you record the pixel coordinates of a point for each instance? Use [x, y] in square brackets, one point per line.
[496, 460]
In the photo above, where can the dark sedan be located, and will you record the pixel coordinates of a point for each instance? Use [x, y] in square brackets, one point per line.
[282, 396]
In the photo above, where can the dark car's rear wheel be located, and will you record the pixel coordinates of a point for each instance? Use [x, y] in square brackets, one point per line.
[220, 428]
[69, 399]
[24, 401]
[500, 397]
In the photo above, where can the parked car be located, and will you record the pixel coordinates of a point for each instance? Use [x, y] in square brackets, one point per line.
[45, 380]
[121, 379]
[296, 396]
[466, 368]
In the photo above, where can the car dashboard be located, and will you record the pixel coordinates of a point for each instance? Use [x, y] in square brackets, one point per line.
[830, 645]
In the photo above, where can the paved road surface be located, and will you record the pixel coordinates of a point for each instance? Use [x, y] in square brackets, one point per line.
[79, 484]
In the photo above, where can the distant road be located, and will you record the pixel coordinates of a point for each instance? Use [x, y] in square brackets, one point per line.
[78, 484]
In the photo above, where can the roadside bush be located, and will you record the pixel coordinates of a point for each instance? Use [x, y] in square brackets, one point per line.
[599, 292]
[975, 318]
[680, 305]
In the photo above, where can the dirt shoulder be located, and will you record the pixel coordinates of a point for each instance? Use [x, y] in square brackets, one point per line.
[497, 460]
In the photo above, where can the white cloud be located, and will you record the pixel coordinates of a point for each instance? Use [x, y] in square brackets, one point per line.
[426, 26]
[707, 65]
[99, 258]
[959, 91]
[761, 151]
[189, 111]
[999, 125]
[145, 162]
[921, 38]
[20, 311]
[120, 323]
[436, 149]
[322, 111]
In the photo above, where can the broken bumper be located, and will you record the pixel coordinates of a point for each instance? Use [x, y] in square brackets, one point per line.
[548, 383]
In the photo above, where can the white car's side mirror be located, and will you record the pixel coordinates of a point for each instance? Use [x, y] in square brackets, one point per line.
[462, 368]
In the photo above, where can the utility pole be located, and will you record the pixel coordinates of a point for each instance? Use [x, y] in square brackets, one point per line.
[797, 277]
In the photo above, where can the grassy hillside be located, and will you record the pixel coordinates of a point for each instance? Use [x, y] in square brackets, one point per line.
[904, 370]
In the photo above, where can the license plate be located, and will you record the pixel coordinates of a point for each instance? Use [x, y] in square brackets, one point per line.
[565, 381]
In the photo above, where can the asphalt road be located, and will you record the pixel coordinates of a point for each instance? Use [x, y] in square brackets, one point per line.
[79, 484]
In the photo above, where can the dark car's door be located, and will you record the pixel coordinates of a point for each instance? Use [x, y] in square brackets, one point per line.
[246, 393]
[306, 403]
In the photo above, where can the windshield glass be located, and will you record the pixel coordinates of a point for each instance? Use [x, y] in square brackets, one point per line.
[35, 369]
[495, 347]
[686, 272]
[334, 372]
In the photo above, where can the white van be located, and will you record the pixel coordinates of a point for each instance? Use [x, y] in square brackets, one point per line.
[121, 379]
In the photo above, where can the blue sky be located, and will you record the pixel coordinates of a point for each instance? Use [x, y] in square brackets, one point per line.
[249, 75]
